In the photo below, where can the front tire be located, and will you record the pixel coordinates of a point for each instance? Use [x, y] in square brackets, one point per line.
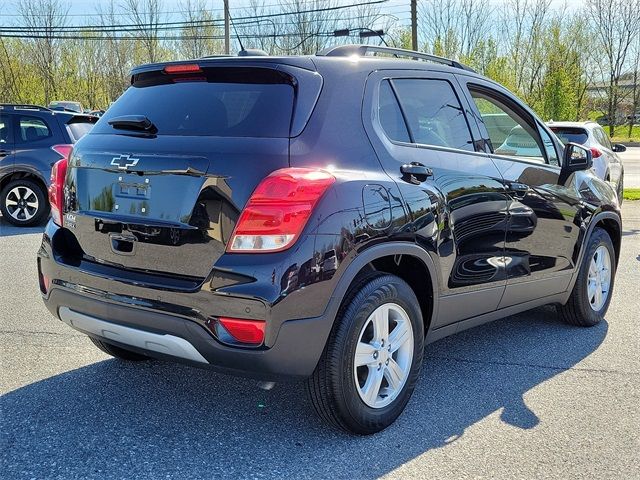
[372, 359]
[23, 203]
[592, 291]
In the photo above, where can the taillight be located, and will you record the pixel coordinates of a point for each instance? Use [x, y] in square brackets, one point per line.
[63, 150]
[56, 190]
[595, 153]
[278, 210]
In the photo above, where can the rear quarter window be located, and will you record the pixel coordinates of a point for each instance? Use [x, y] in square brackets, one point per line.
[224, 102]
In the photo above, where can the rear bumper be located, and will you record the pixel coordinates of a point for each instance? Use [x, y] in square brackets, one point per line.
[160, 335]
[172, 323]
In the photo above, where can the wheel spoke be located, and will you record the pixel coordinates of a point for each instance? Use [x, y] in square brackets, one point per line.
[399, 336]
[33, 204]
[16, 213]
[364, 354]
[394, 374]
[381, 324]
[371, 387]
[10, 202]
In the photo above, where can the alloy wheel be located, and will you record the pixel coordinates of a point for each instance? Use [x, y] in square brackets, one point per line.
[22, 203]
[383, 355]
[599, 278]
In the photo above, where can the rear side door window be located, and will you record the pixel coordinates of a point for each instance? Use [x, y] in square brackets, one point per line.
[510, 133]
[32, 129]
[432, 113]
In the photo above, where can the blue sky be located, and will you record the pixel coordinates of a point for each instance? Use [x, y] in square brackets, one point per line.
[82, 10]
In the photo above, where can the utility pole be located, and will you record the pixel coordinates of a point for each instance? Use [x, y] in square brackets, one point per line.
[227, 39]
[414, 24]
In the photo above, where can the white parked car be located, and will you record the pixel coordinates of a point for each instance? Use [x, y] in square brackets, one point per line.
[606, 162]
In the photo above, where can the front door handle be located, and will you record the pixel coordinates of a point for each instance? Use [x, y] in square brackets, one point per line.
[415, 172]
[4, 153]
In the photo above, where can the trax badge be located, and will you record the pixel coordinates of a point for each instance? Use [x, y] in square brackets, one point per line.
[124, 161]
[70, 220]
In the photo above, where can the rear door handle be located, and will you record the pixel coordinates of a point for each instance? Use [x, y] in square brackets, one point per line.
[4, 153]
[416, 172]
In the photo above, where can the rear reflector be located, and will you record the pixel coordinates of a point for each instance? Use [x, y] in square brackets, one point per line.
[244, 331]
[56, 190]
[183, 68]
[278, 210]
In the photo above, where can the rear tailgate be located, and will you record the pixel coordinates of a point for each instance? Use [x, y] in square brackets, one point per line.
[166, 201]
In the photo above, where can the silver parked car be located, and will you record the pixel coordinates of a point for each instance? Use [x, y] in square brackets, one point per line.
[606, 163]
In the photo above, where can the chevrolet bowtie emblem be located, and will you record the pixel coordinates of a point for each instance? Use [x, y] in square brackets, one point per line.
[124, 161]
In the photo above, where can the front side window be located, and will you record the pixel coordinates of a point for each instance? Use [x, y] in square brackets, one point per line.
[32, 129]
[433, 113]
[509, 133]
[549, 147]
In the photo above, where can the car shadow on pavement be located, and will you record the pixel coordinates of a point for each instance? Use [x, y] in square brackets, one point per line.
[8, 230]
[156, 419]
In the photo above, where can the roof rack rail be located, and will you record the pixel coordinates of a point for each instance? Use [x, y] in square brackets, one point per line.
[26, 106]
[362, 50]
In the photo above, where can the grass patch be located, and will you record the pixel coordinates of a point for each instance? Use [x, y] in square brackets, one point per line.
[622, 134]
[631, 194]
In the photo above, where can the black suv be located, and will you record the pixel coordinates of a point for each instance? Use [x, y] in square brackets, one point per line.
[322, 218]
[32, 139]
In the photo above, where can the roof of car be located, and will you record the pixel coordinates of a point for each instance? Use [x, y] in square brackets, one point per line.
[335, 57]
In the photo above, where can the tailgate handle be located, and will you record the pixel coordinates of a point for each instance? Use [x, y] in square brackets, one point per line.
[122, 245]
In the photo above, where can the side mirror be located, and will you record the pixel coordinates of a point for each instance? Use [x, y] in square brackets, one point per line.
[619, 148]
[576, 157]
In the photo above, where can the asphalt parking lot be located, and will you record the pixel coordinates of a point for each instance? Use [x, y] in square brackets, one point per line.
[525, 397]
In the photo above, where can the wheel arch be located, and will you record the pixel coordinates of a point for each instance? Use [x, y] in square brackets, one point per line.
[21, 174]
[403, 259]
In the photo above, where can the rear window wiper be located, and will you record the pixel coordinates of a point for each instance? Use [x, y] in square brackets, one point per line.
[133, 122]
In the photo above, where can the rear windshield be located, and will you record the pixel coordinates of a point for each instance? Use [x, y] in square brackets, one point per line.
[223, 102]
[566, 135]
[77, 130]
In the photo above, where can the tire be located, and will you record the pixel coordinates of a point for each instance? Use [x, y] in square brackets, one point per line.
[117, 352]
[583, 309]
[24, 203]
[337, 387]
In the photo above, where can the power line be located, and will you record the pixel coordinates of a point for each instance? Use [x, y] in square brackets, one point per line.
[187, 25]
[277, 14]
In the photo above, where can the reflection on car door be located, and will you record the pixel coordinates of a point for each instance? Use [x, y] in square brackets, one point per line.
[422, 121]
[543, 226]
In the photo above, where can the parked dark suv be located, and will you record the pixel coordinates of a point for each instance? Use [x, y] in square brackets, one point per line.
[321, 218]
[32, 139]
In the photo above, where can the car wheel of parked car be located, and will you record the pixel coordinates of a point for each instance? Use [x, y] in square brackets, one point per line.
[118, 352]
[591, 294]
[372, 359]
[23, 203]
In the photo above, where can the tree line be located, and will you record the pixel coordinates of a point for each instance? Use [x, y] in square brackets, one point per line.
[551, 56]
